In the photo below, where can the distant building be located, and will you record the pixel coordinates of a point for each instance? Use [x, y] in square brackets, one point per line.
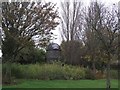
[53, 52]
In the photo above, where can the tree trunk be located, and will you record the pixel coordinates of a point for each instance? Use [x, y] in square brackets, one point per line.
[7, 78]
[108, 83]
[93, 65]
[94, 68]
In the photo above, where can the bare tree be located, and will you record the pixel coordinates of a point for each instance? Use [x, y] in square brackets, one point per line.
[71, 20]
[92, 45]
[103, 21]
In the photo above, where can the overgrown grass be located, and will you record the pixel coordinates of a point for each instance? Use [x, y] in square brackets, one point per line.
[45, 71]
[63, 84]
[54, 71]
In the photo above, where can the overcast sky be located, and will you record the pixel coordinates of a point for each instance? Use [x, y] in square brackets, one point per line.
[85, 3]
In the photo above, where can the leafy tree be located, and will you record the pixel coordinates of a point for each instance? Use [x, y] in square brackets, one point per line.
[31, 55]
[71, 51]
[23, 21]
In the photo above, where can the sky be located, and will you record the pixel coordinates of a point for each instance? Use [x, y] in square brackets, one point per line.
[85, 2]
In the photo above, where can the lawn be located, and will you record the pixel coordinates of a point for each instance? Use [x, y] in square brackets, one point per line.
[62, 84]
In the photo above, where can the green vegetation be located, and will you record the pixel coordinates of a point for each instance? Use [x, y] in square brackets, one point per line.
[31, 55]
[89, 45]
[45, 71]
[114, 74]
[62, 84]
[52, 72]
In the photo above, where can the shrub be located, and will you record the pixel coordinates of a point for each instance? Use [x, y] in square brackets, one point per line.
[46, 71]
[114, 74]
[72, 72]
[31, 56]
[89, 74]
[100, 75]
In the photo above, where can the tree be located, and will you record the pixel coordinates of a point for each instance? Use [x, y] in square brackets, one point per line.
[22, 21]
[0, 28]
[92, 46]
[103, 22]
[75, 52]
[31, 55]
[71, 19]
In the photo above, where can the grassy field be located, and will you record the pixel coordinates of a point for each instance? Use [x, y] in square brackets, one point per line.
[62, 84]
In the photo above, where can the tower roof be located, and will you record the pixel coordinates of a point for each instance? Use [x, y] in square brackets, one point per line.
[53, 46]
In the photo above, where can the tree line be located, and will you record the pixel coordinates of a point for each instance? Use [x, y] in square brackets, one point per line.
[90, 34]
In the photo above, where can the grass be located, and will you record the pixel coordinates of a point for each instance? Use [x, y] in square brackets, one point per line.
[62, 84]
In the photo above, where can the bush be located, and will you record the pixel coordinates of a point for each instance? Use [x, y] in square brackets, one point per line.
[114, 74]
[46, 71]
[72, 72]
[39, 55]
[89, 74]
[31, 56]
[100, 75]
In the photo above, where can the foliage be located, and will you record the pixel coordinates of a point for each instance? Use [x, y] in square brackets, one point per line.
[40, 55]
[103, 22]
[23, 21]
[31, 55]
[89, 74]
[45, 71]
[71, 51]
[114, 74]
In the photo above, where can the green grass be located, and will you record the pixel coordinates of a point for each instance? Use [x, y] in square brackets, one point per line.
[62, 84]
